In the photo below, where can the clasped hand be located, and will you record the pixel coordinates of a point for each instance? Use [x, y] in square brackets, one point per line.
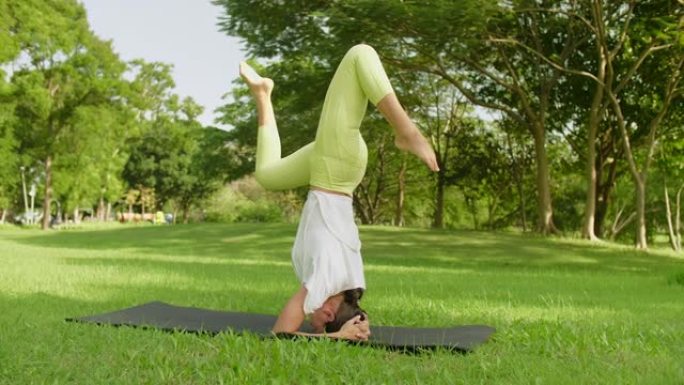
[355, 329]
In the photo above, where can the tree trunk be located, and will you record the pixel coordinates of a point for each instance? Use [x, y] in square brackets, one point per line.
[23, 187]
[48, 192]
[186, 214]
[2, 217]
[518, 177]
[77, 215]
[603, 193]
[670, 228]
[678, 222]
[595, 113]
[399, 214]
[638, 177]
[438, 217]
[588, 231]
[100, 209]
[641, 241]
[617, 226]
[544, 207]
[108, 211]
[523, 206]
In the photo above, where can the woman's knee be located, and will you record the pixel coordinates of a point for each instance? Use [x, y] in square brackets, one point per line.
[362, 50]
[265, 179]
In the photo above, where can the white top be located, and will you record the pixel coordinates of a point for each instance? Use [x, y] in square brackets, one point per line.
[327, 250]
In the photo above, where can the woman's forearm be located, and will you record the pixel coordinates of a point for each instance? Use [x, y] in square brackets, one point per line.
[292, 316]
[304, 334]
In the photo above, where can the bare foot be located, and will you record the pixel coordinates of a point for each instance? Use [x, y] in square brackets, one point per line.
[418, 146]
[256, 83]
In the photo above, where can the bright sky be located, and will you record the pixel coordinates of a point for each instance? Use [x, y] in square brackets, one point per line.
[178, 32]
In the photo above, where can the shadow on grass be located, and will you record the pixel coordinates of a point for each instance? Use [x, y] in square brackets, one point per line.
[494, 250]
[391, 247]
[216, 283]
[207, 240]
[212, 292]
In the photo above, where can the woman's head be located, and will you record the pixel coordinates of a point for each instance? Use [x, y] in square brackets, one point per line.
[348, 309]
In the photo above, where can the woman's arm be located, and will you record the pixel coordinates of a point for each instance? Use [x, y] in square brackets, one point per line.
[292, 316]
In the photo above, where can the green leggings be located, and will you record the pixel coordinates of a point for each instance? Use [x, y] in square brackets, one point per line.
[336, 160]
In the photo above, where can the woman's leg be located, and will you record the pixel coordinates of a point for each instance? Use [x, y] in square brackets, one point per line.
[376, 86]
[272, 171]
[359, 78]
[406, 135]
[339, 157]
[340, 154]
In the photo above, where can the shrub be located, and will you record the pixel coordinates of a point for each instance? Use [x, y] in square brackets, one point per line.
[246, 201]
[261, 211]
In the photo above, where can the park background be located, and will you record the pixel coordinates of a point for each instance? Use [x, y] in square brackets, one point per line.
[555, 216]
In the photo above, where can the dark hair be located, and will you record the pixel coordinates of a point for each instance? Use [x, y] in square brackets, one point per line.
[349, 308]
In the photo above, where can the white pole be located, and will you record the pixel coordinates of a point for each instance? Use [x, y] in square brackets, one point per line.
[32, 193]
[23, 185]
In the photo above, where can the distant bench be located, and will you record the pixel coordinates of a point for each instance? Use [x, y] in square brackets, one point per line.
[134, 217]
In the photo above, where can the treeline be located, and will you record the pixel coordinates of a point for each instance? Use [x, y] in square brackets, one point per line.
[80, 129]
[552, 115]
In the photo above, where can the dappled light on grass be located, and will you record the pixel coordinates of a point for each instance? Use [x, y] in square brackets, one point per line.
[565, 311]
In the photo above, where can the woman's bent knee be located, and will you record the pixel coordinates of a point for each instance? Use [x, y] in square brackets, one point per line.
[264, 179]
[362, 49]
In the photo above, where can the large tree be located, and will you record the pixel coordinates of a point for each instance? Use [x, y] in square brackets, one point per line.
[64, 68]
[463, 43]
[649, 73]
[9, 163]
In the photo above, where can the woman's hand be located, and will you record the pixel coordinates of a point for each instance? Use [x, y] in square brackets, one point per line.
[354, 329]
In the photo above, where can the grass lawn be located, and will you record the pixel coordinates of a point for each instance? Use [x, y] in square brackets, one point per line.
[566, 312]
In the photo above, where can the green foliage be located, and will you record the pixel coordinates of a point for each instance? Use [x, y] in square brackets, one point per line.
[9, 159]
[68, 104]
[63, 77]
[183, 162]
[161, 159]
[500, 55]
[66, 99]
[229, 206]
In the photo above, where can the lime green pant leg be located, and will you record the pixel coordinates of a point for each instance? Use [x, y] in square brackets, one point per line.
[339, 159]
[274, 172]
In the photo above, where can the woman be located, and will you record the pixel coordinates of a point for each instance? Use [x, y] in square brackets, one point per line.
[326, 253]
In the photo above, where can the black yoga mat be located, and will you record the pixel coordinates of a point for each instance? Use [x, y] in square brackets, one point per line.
[163, 316]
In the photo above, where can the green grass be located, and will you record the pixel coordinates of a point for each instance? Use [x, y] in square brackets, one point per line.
[566, 312]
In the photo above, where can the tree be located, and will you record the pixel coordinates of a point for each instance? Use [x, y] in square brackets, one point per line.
[625, 36]
[177, 158]
[457, 42]
[670, 165]
[131, 198]
[68, 67]
[659, 31]
[9, 167]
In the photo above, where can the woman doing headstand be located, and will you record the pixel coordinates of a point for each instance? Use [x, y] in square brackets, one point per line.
[326, 253]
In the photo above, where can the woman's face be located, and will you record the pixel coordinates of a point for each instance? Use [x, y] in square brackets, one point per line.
[325, 313]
